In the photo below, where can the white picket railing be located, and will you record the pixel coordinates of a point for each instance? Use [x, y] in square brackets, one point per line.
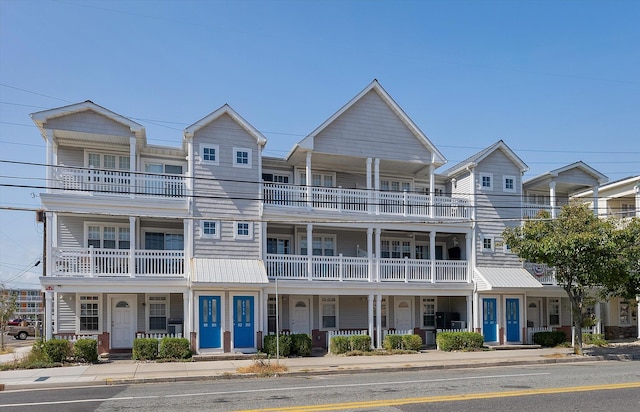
[140, 335]
[532, 331]
[75, 338]
[386, 332]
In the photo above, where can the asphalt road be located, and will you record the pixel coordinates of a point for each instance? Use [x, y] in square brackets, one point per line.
[612, 385]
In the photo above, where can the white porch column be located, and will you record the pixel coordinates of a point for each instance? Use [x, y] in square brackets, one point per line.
[50, 161]
[598, 319]
[470, 312]
[476, 319]
[132, 246]
[432, 255]
[132, 167]
[369, 178]
[552, 198]
[595, 200]
[186, 314]
[50, 241]
[370, 252]
[432, 190]
[379, 320]
[309, 179]
[370, 317]
[468, 240]
[638, 214]
[310, 250]
[48, 315]
[638, 313]
[378, 254]
[376, 185]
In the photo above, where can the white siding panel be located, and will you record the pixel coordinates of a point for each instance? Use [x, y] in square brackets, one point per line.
[71, 156]
[89, 122]
[353, 312]
[66, 311]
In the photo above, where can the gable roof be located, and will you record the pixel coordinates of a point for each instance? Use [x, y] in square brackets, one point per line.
[473, 160]
[576, 165]
[225, 109]
[308, 142]
[40, 118]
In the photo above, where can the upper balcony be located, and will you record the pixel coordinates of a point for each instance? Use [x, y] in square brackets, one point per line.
[98, 262]
[118, 183]
[337, 199]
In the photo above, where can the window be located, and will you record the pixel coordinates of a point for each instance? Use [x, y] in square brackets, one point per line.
[275, 178]
[396, 249]
[108, 237]
[322, 246]
[395, 185]
[428, 312]
[210, 229]
[210, 154]
[509, 184]
[89, 313]
[278, 246]
[625, 318]
[486, 181]
[627, 210]
[241, 157]
[318, 179]
[163, 241]
[243, 230]
[329, 312]
[554, 312]
[487, 243]
[108, 161]
[157, 312]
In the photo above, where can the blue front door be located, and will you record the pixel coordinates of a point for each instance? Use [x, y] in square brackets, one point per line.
[513, 320]
[210, 322]
[489, 320]
[243, 329]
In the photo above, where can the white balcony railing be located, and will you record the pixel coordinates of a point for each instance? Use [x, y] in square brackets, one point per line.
[90, 262]
[117, 182]
[530, 210]
[366, 201]
[544, 274]
[344, 268]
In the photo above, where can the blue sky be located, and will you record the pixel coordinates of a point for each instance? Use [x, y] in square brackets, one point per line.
[556, 80]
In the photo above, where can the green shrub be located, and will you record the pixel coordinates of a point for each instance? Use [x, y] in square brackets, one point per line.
[270, 345]
[450, 341]
[392, 342]
[340, 345]
[301, 344]
[596, 339]
[412, 342]
[86, 350]
[57, 350]
[145, 349]
[174, 348]
[360, 343]
[549, 339]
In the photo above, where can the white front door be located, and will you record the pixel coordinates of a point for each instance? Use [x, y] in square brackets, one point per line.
[123, 322]
[300, 316]
[533, 313]
[403, 314]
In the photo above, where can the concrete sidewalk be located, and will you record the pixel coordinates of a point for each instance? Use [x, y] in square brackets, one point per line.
[128, 371]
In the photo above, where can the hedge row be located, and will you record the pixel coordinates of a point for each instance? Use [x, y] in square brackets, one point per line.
[450, 341]
[402, 342]
[549, 339]
[165, 348]
[344, 344]
[289, 345]
[61, 350]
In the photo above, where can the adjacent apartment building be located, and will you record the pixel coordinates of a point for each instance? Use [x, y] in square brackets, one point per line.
[357, 228]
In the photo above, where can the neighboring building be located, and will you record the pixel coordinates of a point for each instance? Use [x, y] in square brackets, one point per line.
[28, 303]
[354, 230]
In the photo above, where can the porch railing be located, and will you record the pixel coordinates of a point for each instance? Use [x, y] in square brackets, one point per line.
[347, 332]
[366, 201]
[118, 182]
[92, 262]
[342, 268]
[160, 335]
[531, 331]
[530, 210]
[543, 273]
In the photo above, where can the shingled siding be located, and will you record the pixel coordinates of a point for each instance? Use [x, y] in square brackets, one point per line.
[370, 129]
[226, 193]
[496, 209]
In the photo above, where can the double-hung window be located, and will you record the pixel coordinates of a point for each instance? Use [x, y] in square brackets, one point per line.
[329, 312]
[428, 312]
[89, 313]
[321, 246]
[554, 312]
[108, 237]
[158, 310]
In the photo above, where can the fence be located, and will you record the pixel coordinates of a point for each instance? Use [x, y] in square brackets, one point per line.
[532, 331]
[158, 335]
[348, 332]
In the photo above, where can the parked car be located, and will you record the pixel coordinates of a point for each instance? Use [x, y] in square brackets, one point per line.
[15, 322]
[22, 330]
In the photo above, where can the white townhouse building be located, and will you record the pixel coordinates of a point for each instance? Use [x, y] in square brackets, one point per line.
[355, 230]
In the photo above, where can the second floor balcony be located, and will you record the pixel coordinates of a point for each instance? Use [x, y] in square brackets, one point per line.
[362, 269]
[91, 262]
[366, 201]
[118, 182]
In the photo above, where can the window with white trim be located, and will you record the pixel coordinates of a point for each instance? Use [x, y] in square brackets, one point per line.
[322, 245]
[209, 154]
[329, 312]
[243, 230]
[486, 181]
[317, 179]
[108, 161]
[395, 185]
[210, 229]
[395, 249]
[624, 311]
[158, 308]
[89, 313]
[279, 246]
[554, 312]
[241, 157]
[509, 184]
[108, 237]
[428, 312]
[487, 243]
